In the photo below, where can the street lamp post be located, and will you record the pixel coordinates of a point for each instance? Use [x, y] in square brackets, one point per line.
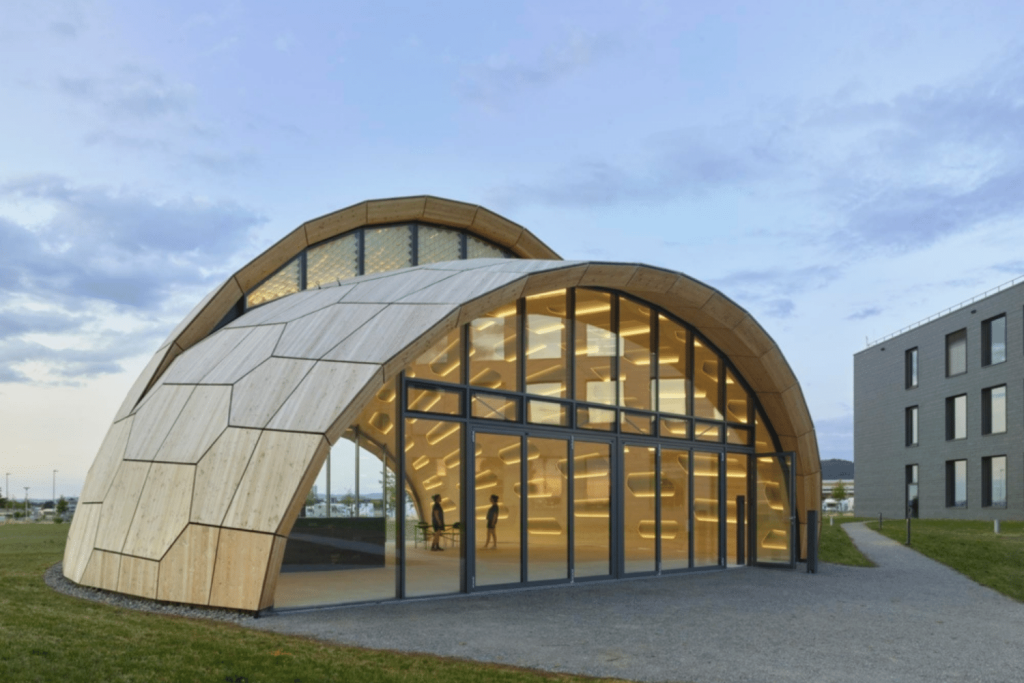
[26, 503]
[54, 497]
[7, 488]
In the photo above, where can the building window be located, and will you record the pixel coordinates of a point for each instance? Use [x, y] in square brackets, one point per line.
[993, 481]
[910, 367]
[993, 340]
[911, 423]
[912, 491]
[956, 353]
[956, 483]
[993, 410]
[956, 417]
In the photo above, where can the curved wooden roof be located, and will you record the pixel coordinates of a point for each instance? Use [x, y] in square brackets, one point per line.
[196, 487]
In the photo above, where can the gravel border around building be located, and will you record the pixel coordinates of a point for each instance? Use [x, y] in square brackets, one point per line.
[908, 620]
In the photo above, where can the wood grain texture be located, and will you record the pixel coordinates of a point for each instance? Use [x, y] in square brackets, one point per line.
[448, 212]
[648, 280]
[102, 571]
[163, 510]
[292, 307]
[261, 393]
[390, 331]
[461, 287]
[397, 210]
[272, 479]
[81, 540]
[273, 571]
[202, 420]
[186, 571]
[562, 278]
[267, 263]
[138, 577]
[142, 382]
[616, 275]
[192, 365]
[227, 296]
[327, 390]
[218, 475]
[305, 485]
[250, 353]
[397, 287]
[101, 474]
[120, 504]
[494, 228]
[241, 569]
[154, 420]
[314, 335]
[336, 223]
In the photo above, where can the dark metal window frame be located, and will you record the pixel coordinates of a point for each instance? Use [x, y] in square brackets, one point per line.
[986, 340]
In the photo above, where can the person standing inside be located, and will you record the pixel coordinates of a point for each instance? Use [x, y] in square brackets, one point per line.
[437, 518]
[492, 524]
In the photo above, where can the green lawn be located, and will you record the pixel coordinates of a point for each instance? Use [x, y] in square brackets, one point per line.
[47, 636]
[971, 548]
[836, 547]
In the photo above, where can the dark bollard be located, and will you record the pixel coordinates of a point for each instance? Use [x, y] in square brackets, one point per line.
[908, 530]
[879, 521]
[812, 541]
[741, 531]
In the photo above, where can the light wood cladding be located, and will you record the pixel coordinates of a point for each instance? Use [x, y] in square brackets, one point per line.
[102, 571]
[119, 505]
[163, 510]
[390, 331]
[275, 471]
[396, 287]
[273, 571]
[615, 275]
[210, 471]
[154, 420]
[227, 296]
[395, 210]
[447, 212]
[186, 571]
[538, 283]
[202, 420]
[317, 333]
[194, 364]
[241, 569]
[267, 263]
[326, 391]
[648, 280]
[97, 482]
[81, 539]
[495, 228]
[334, 224]
[250, 353]
[138, 577]
[143, 381]
[218, 474]
[262, 392]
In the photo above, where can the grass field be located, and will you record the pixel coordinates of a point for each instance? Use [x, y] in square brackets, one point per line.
[47, 636]
[971, 548]
[836, 547]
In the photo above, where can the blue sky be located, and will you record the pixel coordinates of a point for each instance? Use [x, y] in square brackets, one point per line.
[839, 169]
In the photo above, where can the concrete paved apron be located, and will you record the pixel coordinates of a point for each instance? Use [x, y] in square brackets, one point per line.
[909, 619]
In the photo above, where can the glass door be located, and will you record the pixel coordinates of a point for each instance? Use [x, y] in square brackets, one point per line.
[773, 531]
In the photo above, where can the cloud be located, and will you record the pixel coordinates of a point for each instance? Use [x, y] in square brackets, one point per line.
[129, 93]
[772, 291]
[501, 79]
[865, 313]
[101, 258]
[885, 174]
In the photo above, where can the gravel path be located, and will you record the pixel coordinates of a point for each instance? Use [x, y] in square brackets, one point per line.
[908, 620]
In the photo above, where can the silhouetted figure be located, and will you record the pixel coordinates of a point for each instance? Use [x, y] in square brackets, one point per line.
[492, 524]
[437, 519]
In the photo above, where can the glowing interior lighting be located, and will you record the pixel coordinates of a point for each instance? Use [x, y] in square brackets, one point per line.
[441, 432]
[546, 295]
[634, 331]
[420, 462]
[593, 308]
[432, 483]
[556, 327]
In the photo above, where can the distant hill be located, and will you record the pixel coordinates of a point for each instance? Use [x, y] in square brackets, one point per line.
[837, 469]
